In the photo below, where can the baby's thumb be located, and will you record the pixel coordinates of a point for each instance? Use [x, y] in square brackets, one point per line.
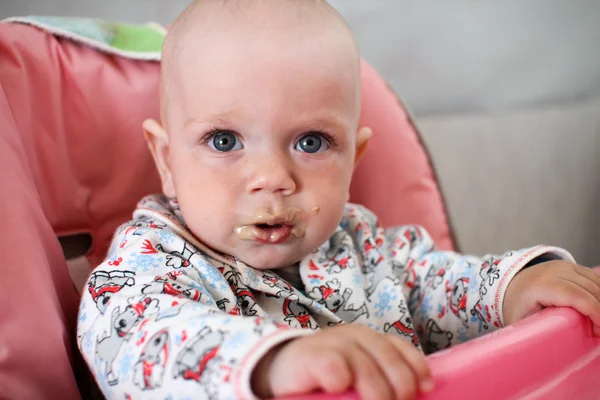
[326, 372]
[302, 380]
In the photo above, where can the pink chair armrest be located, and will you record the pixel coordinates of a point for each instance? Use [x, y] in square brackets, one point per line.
[552, 354]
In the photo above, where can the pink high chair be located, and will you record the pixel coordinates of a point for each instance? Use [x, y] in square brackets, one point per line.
[73, 161]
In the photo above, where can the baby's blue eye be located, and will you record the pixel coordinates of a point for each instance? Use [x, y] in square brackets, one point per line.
[312, 143]
[224, 142]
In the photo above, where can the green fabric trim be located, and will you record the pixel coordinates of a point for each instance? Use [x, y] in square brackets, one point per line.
[142, 42]
[137, 38]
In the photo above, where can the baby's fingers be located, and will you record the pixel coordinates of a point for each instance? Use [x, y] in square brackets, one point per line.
[315, 369]
[331, 372]
[594, 277]
[417, 362]
[370, 381]
[581, 294]
[589, 274]
[393, 361]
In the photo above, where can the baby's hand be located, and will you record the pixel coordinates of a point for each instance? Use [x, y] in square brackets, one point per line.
[338, 359]
[553, 284]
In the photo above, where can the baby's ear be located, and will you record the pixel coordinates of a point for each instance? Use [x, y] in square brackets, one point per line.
[158, 142]
[363, 135]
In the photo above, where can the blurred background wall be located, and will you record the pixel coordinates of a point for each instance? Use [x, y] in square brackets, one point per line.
[506, 95]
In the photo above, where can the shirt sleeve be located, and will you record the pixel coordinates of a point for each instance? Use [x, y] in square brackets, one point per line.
[152, 325]
[452, 297]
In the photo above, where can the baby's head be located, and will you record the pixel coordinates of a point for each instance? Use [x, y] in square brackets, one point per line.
[260, 102]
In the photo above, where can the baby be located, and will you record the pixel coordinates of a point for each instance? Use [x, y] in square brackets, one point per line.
[252, 276]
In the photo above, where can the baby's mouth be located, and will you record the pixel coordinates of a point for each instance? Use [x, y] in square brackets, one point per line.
[268, 227]
[264, 233]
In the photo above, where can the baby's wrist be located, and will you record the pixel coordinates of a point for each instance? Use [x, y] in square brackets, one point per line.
[260, 381]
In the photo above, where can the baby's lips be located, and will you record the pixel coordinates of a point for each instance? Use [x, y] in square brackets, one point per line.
[292, 216]
[275, 235]
[287, 216]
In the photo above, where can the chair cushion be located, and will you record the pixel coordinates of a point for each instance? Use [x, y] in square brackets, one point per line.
[73, 160]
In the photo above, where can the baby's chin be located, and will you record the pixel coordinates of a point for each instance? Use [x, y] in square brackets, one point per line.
[269, 257]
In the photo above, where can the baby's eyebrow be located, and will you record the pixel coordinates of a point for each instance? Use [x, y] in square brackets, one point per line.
[327, 121]
[216, 119]
[321, 121]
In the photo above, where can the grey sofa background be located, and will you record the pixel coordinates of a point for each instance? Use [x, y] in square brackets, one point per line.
[505, 93]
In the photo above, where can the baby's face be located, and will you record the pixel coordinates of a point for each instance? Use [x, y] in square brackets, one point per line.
[262, 137]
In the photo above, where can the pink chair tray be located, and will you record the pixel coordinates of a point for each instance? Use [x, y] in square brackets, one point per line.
[552, 354]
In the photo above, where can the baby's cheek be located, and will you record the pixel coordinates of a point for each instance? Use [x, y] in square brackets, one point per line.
[334, 177]
[332, 186]
[327, 220]
[205, 209]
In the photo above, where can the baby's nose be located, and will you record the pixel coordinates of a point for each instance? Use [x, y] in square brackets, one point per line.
[271, 174]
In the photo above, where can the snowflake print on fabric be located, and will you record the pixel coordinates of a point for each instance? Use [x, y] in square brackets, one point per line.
[144, 262]
[357, 279]
[371, 325]
[124, 366]
[464, 268]
[165, 237]
[385, 296]
[212, 277]
[474, 273]
[87, 343]
[196, 315]
[463, 336]
[427, 306]
[101, 378]
[206, 296]
[82, 317]
[451, 276]
[199, 321]
[252, 278]
[237, 340]
[102, 382]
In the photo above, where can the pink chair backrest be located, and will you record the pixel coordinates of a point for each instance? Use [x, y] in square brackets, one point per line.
[73, 160]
